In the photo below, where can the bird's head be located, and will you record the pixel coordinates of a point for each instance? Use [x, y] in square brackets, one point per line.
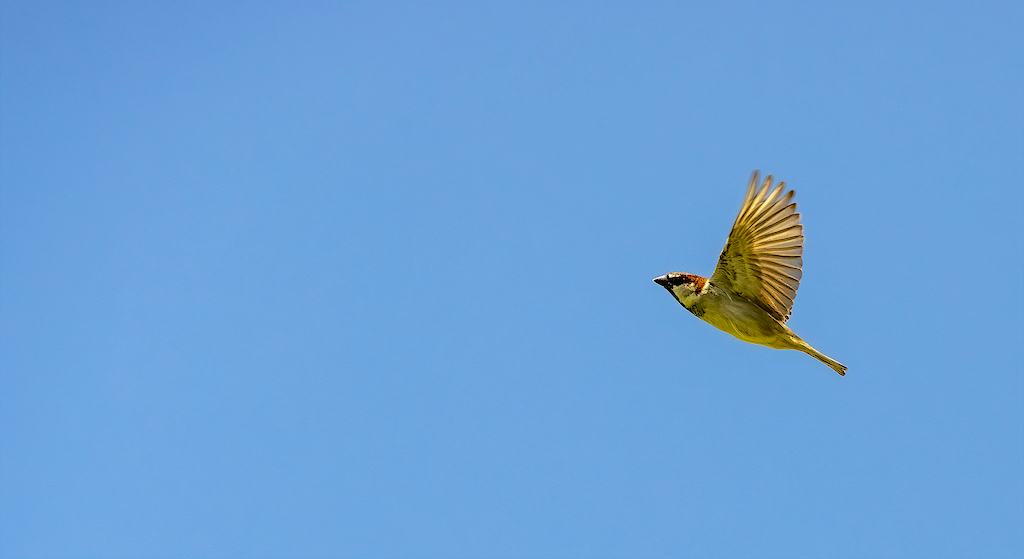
[684, 287]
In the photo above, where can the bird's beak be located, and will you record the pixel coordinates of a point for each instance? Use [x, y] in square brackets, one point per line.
[662, 281]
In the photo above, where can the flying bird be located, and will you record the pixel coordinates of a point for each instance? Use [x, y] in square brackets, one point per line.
[751, 293]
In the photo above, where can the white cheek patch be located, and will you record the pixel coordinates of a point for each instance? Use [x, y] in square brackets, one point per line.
[685, 296]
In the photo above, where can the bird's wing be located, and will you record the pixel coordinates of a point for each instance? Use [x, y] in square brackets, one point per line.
[762, 257]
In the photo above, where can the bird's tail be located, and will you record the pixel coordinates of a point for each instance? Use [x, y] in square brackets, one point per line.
[836, 365]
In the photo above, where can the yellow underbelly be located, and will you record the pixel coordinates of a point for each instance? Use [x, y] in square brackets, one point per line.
[748, 322]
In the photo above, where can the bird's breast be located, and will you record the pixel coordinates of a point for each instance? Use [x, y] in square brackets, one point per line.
[738, 316]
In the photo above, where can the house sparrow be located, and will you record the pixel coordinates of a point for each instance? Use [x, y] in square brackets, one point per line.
[751, 293]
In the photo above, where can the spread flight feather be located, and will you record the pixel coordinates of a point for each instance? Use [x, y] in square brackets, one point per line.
[762, 258]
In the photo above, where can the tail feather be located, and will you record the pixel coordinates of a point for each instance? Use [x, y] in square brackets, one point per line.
[836, 365]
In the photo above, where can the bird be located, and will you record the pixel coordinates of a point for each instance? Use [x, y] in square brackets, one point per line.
[751, 293]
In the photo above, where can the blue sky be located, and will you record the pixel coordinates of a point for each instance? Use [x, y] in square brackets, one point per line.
[374, 280]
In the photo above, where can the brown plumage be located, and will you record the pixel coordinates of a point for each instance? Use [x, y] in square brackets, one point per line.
[762, 258]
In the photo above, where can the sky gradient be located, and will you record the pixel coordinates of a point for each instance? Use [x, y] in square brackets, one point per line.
[374, 280]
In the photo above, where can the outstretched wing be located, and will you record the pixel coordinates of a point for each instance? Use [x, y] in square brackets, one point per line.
[762, 258]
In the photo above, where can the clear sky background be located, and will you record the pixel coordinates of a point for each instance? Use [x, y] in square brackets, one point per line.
[374, 279]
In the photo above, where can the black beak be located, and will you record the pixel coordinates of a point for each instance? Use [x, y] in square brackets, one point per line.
[662, 281]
